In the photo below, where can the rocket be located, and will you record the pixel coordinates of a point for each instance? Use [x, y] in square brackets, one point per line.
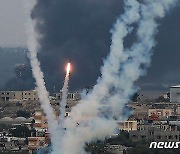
[68, 68]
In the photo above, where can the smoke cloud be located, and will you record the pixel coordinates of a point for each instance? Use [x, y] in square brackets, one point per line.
[63, 25]
[90, 111]
[96, 114]
[121, 69]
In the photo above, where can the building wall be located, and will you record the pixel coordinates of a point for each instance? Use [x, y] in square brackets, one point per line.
[178, 111]
[18, 95]
[35, 143]
[128, 125]
[155, 132]
[160, 112]
[30, 95]
[71, 96]
[41, 121]
[154, 135]
[175, 94]
[7, 95]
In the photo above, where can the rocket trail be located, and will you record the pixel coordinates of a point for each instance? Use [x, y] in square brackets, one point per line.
[39, 78]
[63, 101]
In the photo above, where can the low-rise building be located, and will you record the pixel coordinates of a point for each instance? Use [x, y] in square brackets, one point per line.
[41, 121]
[70, 96]
[18, 95]
[160, 112]
[128, 125]
[35, 143]
[155, 132]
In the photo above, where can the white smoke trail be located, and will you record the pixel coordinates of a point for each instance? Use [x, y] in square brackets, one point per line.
[139, 55]
[63, 103]
[112, 64]
[134, 63]
[38, 75]
[94, 127]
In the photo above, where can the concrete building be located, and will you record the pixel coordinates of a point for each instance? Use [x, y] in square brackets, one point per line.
[10, 95]
[128, 125]
[18, 95]
[175, 94]
[35, 143]
[155, 132]
[140, 110]
[160, 112]
[116, 148]
[178, 111]
[41, 121]
[71, 96]
[30, 95]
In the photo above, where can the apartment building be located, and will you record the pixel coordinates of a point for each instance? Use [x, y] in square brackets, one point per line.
[129, 125]
[155, 132]
[160, 112]
[18, 95]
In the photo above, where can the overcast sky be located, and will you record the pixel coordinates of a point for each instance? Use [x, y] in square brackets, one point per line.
[12, 23]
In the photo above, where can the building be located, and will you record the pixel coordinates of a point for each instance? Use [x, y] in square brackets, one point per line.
[116, 148]
[30, 95]
[18, 95]
[70, 96]
[128, 125]
[140, 110]
[175, 94]
[178, 111]
[10, 95]
[155, 132]
[41, 121]
[35, 143]
[160, 112]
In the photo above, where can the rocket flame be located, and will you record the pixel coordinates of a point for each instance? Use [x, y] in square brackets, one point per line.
[68, 68]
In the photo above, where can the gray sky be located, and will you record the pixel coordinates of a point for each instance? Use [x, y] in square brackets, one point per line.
[12, 23]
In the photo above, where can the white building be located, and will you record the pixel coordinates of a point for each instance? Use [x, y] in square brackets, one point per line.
[175, 94]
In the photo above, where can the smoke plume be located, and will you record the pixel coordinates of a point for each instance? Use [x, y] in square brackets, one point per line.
[38, 75]
[121, 69]
[90, 111]
[63, 102]
[94, 117]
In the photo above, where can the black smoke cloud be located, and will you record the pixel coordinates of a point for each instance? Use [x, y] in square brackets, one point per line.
[78, 30]
[75, 30]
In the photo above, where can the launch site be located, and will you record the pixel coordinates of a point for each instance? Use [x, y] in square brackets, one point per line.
[89, 77]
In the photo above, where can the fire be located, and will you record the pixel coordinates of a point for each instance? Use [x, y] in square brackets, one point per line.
[68, 68]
